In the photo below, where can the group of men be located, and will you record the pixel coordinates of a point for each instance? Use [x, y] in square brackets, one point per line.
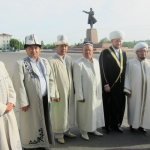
[56, 94]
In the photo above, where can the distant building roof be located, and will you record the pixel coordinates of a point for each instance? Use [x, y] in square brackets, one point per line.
[4, 34]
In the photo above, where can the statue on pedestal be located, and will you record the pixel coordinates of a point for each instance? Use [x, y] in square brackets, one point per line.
[91, 18]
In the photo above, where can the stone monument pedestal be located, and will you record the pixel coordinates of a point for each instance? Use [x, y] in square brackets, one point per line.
[91, 35]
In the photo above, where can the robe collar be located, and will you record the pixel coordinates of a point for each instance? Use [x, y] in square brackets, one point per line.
[88, 60]
[60, 58]
[39, 59]
[141, 60]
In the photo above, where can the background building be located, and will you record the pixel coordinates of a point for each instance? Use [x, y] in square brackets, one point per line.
[4, 40]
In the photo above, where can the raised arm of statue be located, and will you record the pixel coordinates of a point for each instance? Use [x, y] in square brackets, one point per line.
[86, 12]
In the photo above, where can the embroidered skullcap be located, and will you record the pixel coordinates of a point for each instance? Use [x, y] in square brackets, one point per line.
[31, 40]
[140, 45]
[116, 35]
[88, 43]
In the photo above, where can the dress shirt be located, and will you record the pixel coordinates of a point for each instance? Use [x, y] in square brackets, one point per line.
[117, 52]
[64, 60]
[40, 73]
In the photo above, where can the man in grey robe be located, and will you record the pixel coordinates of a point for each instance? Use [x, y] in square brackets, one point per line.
[34, 86]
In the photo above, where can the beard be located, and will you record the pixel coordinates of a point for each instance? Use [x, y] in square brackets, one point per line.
[116, 47]
[142, 58]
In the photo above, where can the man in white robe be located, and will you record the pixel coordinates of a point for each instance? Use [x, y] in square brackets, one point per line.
[34, 85]
[63, 106]
[9, 134]
[137, 87]
[88, 93]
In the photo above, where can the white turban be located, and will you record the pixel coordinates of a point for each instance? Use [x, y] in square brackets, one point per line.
[140, 45]
[116, 35]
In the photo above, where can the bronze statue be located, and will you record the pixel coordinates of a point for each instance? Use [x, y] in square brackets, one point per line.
[91, 18]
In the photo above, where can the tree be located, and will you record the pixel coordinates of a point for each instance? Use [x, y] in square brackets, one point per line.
[21, 46]
[15, 43]
[128, 44]
[105, 40]
[42, 44]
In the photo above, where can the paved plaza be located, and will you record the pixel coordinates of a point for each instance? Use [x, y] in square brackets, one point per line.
[112, 141]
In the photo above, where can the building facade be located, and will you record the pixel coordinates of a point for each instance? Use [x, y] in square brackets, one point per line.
[4, 40]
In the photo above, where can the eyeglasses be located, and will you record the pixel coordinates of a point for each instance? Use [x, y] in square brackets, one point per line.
[142, 51]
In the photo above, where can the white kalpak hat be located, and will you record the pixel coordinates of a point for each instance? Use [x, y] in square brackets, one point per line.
[116, 35]
[61, 39]
[140, 45]
[31, 40]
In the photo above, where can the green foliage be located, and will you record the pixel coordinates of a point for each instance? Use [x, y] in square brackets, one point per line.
[42, 43]
[77, 44]
[15, 43]
[48, 46]
[128, 44]
[21, 46]
[147, 41]
[105, 40]
[131, 44]
[0, 48]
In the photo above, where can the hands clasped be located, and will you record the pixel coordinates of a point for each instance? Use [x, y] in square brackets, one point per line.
[57, 99]
[107, 88]
[25, 108]
[9, 108]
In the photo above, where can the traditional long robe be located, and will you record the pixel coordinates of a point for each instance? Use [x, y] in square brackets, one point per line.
[137, 83]
[87, 83]
[113, 73]
[9, 133]
[62, 112]
[26, 82]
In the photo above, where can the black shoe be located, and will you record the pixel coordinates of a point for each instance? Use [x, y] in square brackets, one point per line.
[106, 130]
[118, 129]
[142, 130]
[132, 129]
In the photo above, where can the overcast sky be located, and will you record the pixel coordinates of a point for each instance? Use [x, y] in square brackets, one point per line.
[49, 18]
